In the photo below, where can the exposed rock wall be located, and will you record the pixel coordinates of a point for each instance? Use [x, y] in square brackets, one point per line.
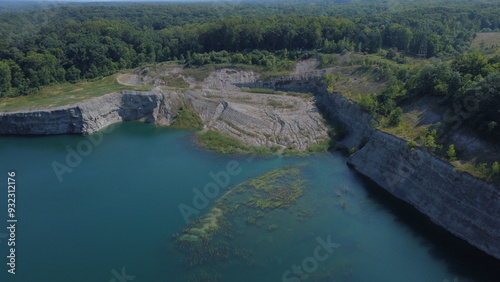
[357, 123]
[288, 122]
[227, 79]
[89, 116]
[261, 119]
[56, 121]
[301, 82]
[464, 205]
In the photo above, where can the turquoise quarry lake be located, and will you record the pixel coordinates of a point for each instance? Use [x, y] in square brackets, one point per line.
[112, 213]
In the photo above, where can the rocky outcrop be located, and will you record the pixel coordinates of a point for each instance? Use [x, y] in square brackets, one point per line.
[261, 119]
[464, 205]
[254, 119]
[307, 82]
[228, 79]
[89, 116]
[357, 124]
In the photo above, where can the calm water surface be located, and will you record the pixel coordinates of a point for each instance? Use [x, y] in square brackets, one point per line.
[113, 210]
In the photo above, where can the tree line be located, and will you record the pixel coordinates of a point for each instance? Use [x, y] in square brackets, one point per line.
[73, 43]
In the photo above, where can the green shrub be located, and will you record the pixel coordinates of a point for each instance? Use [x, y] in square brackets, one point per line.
[367, 103]
[259, 90]
[224, 144]
[452, 154]
[321, 147]
[395, 116]
[411, 144]
[187, 118]
[495, 168]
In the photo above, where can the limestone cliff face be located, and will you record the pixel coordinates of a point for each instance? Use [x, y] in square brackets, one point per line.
[464, 205]
[56, 121]
[89, 116]
[298, 82]
[258, 120]
[357, 123]
[261, 119]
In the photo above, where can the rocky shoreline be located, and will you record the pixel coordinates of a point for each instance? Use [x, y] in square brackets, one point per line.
[462, 204]
[254, 119]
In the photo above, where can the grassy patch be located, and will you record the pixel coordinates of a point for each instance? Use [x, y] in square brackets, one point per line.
[275, 92]
[224, 144]
[187, 118]
[328, 60]
[487, 43]
[213, 96]
[355, 81]
[67, 93]
[199, 73]
[323, 146]
[279, 104]
[175, 80]
[308, 96]
[260, 90]
[291, 152]
[408, 128]
[479, 170]
[156, 70]
[202, 72]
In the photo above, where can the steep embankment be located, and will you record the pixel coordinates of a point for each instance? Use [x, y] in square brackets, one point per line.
[464, 205]
[89, 116]
[254, 119]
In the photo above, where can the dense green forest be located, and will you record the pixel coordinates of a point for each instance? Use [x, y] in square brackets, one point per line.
[71, 43]
[467, 88]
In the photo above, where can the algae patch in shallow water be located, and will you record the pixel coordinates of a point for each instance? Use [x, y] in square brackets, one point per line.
[209, 242]
[276, 189]
[203, 227]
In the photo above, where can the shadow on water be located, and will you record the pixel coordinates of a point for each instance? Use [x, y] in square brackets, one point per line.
[461, 257]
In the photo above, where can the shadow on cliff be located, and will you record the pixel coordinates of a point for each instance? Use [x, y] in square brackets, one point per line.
[461, 257]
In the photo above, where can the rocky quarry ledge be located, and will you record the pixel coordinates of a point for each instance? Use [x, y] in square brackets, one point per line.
[254, 119]
[462, 204]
